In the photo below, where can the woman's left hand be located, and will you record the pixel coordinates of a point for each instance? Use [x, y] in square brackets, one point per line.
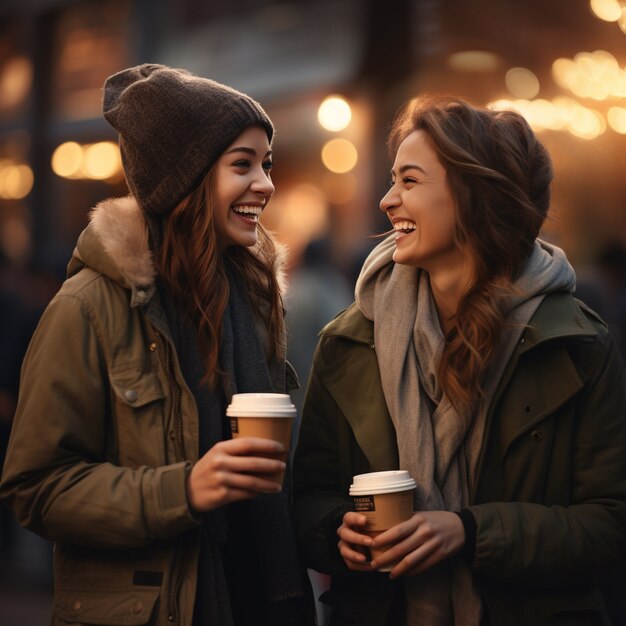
[421, 542]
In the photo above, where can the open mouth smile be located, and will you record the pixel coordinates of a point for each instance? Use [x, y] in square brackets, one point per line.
[403, 228]
[250, 212]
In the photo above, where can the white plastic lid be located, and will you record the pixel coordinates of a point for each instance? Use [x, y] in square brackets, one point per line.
[381, 482]
[261, 405]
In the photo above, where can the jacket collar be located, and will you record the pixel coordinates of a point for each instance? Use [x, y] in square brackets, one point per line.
[351, 324]
[115, 243]
[559, 315]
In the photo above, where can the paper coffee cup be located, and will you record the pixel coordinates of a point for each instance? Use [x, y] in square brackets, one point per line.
[385, 498]
[265, 415]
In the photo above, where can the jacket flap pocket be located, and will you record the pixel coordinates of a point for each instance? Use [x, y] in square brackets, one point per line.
[135, 387]
[526, 404]
[130, 606]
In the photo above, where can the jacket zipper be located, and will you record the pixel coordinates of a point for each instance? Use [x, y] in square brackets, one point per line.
[178, 569]
[177, 578]
[177, 404]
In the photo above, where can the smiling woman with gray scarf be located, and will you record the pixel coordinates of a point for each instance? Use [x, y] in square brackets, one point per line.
[466, 361]
[121, 452]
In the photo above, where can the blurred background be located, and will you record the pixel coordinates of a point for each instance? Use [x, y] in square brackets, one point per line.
[331, 74]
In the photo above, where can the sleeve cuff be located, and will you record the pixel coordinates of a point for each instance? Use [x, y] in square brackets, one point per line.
[469, 524]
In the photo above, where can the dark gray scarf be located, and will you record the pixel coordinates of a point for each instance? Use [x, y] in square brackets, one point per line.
[255, 536]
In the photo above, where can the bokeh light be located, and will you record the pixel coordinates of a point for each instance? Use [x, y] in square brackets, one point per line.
[474, 61]
[607, 10]
[98, 161]
[595, 75]
[66, 159]
[101, 160]
[334, 113]
[16, 79]
[616, 118]
[16, 180]
[561, 113]
[521, 82]
[339, 155]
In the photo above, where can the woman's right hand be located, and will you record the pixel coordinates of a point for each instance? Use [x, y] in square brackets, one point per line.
[353, 544]
[233, 470]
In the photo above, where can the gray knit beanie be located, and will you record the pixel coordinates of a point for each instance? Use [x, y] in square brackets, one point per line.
[173, 126]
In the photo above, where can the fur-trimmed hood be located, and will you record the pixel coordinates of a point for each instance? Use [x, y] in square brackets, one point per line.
[115, 243]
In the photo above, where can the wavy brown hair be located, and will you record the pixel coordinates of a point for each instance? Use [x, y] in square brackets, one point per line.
[193, 268]
[499, 175]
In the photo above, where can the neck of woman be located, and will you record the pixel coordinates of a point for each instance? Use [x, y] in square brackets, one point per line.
[447, 288]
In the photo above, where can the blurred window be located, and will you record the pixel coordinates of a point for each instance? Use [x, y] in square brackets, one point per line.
[16, 73]
[91, 42]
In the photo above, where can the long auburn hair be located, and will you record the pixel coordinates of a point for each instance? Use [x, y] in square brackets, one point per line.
[499, 175]
[193, 268]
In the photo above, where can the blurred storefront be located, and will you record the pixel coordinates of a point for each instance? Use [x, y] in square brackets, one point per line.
[555, 60]
[331, 73]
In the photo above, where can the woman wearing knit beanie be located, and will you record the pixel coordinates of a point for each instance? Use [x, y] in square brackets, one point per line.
[121, 452]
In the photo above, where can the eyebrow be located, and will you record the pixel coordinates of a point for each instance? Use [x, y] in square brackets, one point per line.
[250, 151]
[409, 166]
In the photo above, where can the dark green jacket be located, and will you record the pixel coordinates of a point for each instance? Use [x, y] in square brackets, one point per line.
[550, 496]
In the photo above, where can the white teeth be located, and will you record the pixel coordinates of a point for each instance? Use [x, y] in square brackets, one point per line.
[246, 209]
[404, 225]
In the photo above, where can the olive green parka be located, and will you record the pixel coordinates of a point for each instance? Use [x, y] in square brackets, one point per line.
[105, 433]
[550, 495]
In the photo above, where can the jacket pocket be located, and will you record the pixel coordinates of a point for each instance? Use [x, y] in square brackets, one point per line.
[135, 388]
[138, 411]
[105, 607]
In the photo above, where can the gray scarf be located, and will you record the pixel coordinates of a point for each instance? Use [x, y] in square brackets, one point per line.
[436, 444]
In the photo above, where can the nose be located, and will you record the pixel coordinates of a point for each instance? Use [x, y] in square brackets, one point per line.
[389, 200]
[262, 184]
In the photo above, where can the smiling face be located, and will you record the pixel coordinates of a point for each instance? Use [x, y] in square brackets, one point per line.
[421, 208]
[242, 188]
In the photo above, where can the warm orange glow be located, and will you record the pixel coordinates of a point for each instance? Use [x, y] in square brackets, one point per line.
[98, 161]
[101, 160]
[474, 61]
[15, 237]
[595, 75]
[339, 156]
[607, 10]
[559, 114]
[299, 215]
[521, 82]
[622, 21]
[617, 119]
[339, 188]
[16, 180]
[16, 78]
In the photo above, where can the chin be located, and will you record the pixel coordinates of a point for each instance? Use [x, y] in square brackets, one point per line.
[246, 241]
[401, 259]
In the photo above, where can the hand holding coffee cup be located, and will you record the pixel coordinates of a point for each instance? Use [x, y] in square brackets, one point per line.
[232, 470]
[419, 543]
[266, 416]
[385, 499]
